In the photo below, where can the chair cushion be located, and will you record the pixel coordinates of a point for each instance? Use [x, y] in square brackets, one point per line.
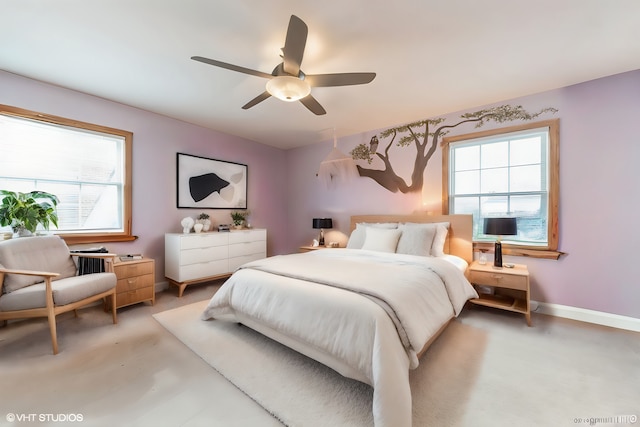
[41, 253]
[76, 288]
[65, 291]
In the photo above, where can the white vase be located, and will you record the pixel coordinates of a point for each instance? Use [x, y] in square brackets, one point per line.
[187, 223]
[206, 224]
[197, 227]
[21, 232]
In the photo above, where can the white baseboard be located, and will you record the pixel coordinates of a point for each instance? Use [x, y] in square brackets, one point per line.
[161, 286]
[589, 316]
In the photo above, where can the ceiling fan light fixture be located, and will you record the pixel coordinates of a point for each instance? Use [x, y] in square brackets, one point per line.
[287, 81]
[288, 88]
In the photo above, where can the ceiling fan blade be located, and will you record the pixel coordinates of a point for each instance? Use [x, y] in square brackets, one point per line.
[231, 67]
[313, 105]
[258, 99]
[339, 79]
[294, 44]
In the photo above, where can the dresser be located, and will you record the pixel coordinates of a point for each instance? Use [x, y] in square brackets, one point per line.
[203, 257]
[136, 282]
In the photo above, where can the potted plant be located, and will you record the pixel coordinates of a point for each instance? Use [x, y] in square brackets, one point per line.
[203, 219]
[23, 212]
[239, 218]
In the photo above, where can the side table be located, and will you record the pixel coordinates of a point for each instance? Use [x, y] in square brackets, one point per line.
[136, 281]
[508, 287]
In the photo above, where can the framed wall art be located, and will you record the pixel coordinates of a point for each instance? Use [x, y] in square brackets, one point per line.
[204, 183]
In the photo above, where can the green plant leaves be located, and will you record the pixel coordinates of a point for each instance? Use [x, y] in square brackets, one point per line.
[25, 210]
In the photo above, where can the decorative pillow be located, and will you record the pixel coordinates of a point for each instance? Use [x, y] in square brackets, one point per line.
[416, 239]
[356, 240]
[381, 240]
[437, 248]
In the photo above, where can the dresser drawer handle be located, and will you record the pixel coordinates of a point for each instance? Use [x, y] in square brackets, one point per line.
[130, 281]
[496, 276]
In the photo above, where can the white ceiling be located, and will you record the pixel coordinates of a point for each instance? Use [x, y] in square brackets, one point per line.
[431, 57]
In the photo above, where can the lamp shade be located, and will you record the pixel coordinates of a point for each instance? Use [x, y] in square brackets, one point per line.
[288, 88]
[501, 226]
[322, 223]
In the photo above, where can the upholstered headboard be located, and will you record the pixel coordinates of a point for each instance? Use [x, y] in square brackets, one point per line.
[459, 239]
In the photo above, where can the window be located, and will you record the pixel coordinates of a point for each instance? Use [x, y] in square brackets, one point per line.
[86, 166]
[506, 172]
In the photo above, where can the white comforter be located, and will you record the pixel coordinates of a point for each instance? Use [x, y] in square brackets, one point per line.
[370, 311]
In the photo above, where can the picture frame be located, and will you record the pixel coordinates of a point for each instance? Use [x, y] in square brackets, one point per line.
[204, 183]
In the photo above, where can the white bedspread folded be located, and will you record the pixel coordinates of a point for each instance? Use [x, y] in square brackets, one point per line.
[372, 311]
[402, 285]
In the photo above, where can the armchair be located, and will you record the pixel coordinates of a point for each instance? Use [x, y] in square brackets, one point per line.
[26, 261]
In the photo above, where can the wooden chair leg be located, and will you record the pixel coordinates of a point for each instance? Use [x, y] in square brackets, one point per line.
[113, 309]
[75, 312]
[52, 329]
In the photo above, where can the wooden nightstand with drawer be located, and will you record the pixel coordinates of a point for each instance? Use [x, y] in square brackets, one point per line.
[310, 248]
[136, 281]
[504, 288]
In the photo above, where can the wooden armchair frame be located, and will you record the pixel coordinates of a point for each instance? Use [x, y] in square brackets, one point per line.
[50, 311]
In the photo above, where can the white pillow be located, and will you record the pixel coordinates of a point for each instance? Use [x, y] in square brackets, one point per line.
[356, 240]
[437, 248]
[416, 239]
[381, 240]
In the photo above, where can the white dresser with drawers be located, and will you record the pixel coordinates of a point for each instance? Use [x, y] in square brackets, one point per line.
[202, 257]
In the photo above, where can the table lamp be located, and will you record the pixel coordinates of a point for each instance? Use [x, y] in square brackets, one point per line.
[500, 227]
[322, 223]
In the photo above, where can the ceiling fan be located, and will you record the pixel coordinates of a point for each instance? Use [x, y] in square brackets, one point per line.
[287, 81]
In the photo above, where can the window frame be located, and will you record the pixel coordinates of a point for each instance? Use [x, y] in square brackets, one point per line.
[77, 238]
[549, 251]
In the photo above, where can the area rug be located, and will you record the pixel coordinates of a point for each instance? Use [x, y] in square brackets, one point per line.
[488, 368]
[301, 392]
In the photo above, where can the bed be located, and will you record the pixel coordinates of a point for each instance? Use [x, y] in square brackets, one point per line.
[368, 311]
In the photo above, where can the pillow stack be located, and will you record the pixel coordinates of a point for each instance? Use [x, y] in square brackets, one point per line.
[422, 239]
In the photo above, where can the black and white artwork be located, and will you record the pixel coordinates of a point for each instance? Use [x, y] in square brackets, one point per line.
[210, 184]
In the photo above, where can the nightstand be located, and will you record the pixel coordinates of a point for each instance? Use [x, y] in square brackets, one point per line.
[136, 281]
[503, 288]
[310, 248]
[314, 248]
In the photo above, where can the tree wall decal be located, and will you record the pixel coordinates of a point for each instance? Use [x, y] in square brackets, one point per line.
[425, 135]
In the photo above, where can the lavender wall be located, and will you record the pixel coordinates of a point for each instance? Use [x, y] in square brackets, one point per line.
[156, 139]
[599, 207]
[599, 153]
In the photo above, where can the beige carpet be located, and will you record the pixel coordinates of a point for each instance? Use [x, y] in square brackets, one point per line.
[133, 374]
[487, 369]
